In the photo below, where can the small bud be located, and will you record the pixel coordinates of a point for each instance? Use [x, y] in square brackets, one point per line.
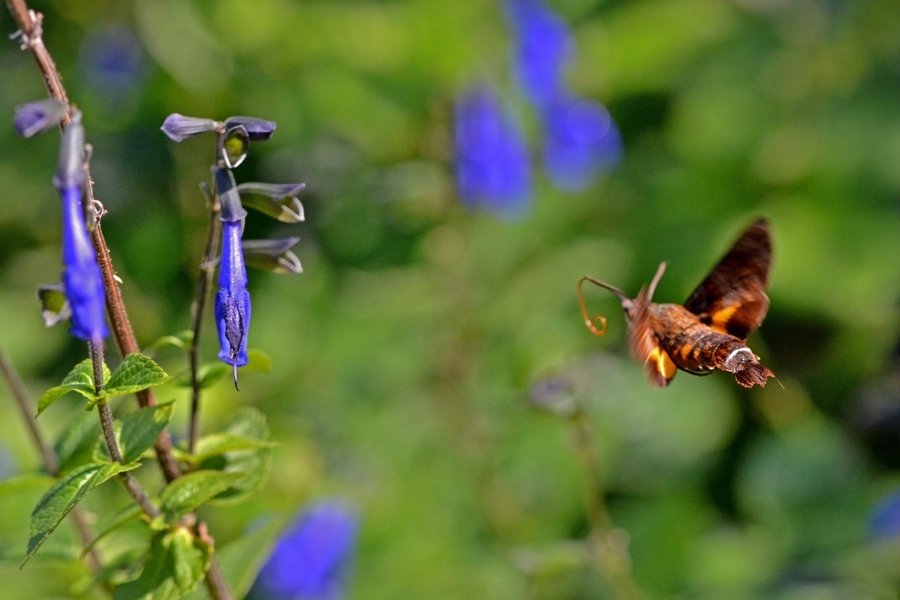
[37, 117]
[258, 129]
[229, 198]
[179, 127]
[54, 305]
[275, 200]
[273, 255]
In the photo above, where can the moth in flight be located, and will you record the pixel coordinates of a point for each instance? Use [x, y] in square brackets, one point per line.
[708, 332]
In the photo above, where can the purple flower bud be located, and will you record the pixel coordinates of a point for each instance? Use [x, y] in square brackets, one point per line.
[37, 117]
[492, 164]
[258, 129]
[179, 128]
[543, 46]
[582, 142]
[313, 558]
[232, 307]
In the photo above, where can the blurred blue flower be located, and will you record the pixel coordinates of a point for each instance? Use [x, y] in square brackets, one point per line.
[582, 142]
[81, 273]
[312, 559]
[543, 45]
[492, 163]
[113, 61]
[884, 520]
[232, 307]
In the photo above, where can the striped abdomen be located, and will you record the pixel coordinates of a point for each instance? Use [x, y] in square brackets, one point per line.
[696, 347]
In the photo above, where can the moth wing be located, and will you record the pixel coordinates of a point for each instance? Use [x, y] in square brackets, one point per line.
[732, 298]
[645, 347]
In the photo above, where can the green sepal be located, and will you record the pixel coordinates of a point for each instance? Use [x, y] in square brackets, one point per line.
[64, 495]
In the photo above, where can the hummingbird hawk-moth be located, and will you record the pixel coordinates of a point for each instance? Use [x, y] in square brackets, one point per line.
[708, 332]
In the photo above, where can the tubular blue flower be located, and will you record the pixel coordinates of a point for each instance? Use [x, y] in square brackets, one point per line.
[543, 46]
[313, 558]
[492, 163]
[81, 273]
[582, 142]
[232, 306]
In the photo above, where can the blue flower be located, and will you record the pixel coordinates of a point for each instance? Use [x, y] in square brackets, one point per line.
[312, 559]
[81, 273]
[884, 520]
[582, 142]
[543, 45]
[492, 163]
[232, 307]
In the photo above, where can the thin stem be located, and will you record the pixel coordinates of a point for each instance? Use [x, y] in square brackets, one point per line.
[48, 455]
[197, 308]
[109, 434]
[26, 410]
[608, 546]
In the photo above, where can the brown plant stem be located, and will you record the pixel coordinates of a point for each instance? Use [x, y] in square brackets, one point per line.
[50, 461]
[207, 269]
[29, 23]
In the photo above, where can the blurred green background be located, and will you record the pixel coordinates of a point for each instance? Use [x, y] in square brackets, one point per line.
[406, 356]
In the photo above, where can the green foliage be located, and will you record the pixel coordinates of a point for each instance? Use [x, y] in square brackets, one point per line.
[64, 495]
[137, 372]
[141, 429]
[175, 564]
[242, 558]
[76, 444]
[194, 489]
[254, 464]
[182, 340]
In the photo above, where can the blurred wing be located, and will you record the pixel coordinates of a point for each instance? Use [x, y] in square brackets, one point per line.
[732, 299]
[645, 347]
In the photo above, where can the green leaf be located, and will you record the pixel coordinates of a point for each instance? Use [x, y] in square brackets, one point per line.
[259, 361]
[76, 444]
[190, 491]
[111, 571]
[137, 372]
[207, 374]
[250, 423]
[130, 513]
[64, 495]
[141, 429]
[242, 558]
[182, 340]
[216, 444]
[80, 380]
[176, 563]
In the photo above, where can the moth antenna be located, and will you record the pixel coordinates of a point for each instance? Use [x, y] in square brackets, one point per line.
[656, 278]
[584, 313]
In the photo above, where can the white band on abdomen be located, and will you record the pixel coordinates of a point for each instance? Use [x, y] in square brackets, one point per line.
[733, 353]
